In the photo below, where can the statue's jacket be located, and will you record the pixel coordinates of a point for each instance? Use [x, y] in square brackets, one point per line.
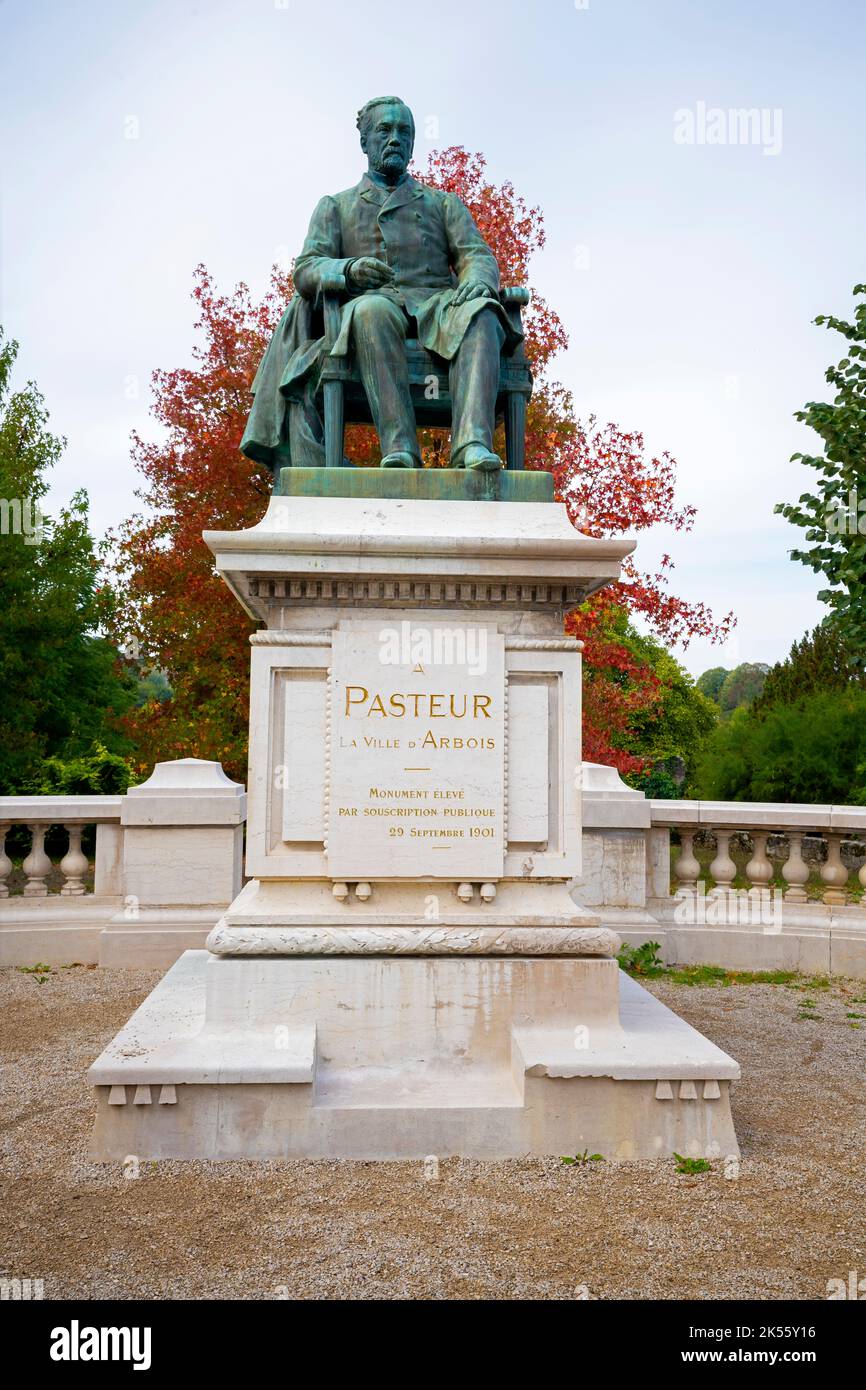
[428, 238]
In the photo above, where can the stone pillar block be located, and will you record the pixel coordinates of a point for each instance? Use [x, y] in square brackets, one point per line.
[183, 836]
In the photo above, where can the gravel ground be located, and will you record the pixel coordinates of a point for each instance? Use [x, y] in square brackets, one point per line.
[534, 1228]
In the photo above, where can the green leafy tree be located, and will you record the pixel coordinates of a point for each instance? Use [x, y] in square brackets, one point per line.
[683, 718]
[812, 750]
[742, 685]
[63, 685]
[819, 661]
[711, 682]
[730, 689]
[152, 686]
[834, 515]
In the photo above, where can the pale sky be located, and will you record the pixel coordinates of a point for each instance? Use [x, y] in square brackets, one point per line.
[686, 274]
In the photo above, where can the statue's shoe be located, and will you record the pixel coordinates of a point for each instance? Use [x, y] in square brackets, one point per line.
[400, 461]
[475, 456]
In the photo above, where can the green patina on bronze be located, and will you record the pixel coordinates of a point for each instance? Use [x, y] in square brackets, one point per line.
[398, 320]
[417, 484]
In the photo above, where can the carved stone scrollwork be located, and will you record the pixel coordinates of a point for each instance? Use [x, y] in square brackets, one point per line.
[412, 941]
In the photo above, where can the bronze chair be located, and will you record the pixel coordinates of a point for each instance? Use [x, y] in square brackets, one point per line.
[345, 401]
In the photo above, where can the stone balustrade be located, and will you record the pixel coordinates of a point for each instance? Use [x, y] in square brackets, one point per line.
[803, 839]
[168, 861]
[753, 885]
[38, 814]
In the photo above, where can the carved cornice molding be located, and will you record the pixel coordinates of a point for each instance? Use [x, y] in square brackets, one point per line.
[288, 637]
[526, 594]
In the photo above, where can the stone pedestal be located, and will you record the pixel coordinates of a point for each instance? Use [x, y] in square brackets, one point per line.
[415, 715]
[406, 971]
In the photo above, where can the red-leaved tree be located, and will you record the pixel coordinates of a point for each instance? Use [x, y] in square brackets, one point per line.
[174, 611]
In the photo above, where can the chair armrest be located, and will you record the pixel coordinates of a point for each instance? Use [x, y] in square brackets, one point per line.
[514, 299]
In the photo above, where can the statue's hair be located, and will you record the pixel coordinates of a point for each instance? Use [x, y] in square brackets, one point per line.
[368, 108]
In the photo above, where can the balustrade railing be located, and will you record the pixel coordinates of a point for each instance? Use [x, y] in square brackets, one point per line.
[37, 815]
[120, 880]
[818, 851]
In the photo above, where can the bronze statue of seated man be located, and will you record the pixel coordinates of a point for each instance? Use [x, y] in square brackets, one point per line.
[415, 264]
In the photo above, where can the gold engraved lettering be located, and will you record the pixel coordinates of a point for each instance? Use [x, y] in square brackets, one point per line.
[417, 704]
[359, 699]
[430, 740]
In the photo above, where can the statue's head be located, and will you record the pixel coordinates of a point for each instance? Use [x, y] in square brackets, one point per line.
[387, 135]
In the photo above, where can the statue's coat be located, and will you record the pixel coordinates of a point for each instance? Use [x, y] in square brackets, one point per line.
[429, 240]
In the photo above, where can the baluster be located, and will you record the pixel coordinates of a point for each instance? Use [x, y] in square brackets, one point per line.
[759, 870]
[686, 866]
[73, 865]
[834, 873]
[795, 870]
[723, 869]
[5, 861]
[37, 865]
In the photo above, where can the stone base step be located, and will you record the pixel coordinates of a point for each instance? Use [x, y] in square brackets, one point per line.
[398, 1058]
[412, 1090]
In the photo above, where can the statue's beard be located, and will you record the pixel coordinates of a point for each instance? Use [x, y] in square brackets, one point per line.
[391, 164]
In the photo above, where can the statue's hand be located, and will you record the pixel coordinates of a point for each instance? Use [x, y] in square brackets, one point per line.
[473, 289]
[369, 274]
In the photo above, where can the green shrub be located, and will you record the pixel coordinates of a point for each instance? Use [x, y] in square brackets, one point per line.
[96, 773]
[658, 784]
[813, 750]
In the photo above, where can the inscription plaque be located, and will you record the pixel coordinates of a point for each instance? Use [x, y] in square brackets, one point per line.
[417, 751]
